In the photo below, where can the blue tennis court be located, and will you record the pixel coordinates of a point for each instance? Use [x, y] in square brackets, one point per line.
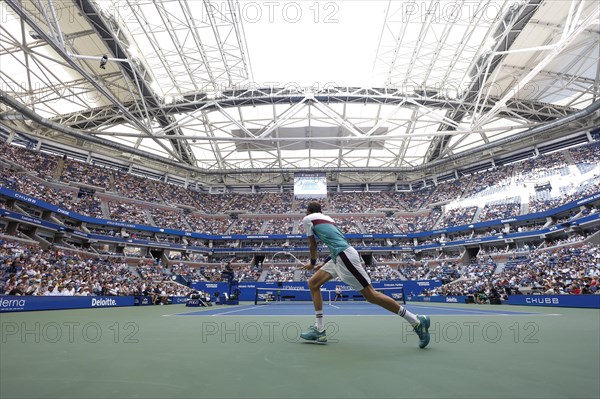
[346, 309]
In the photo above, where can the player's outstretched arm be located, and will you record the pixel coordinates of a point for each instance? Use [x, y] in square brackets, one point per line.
[309, 266]
[312, 246]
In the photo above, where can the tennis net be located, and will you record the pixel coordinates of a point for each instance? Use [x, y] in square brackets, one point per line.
[266, 296]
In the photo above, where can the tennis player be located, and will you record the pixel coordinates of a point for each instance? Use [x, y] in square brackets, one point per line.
[344, 262]
[338, 294]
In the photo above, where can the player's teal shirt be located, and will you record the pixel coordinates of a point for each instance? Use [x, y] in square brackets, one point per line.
[323, 227]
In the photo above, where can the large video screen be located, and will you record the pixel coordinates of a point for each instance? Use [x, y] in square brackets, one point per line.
[310, 185]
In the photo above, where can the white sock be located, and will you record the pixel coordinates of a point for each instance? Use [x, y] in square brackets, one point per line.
[319, 318]
[410, 317]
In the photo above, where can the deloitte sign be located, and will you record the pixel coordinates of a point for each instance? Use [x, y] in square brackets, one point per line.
[25, 303]
[103, 302]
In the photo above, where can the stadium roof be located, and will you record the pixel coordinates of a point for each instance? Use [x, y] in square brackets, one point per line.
[225, 85]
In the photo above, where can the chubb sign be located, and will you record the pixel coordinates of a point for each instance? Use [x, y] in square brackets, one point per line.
[542, 301]
[570, 301]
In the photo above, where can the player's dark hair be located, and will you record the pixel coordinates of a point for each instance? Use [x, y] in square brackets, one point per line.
[314, 207]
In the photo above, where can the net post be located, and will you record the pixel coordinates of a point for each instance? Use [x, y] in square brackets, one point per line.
[256, 295]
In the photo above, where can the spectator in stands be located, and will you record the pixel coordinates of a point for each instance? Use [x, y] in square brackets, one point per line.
[575, 289]
[482, 298]
[18, 290]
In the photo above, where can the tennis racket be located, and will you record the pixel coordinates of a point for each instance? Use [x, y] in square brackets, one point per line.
[286, 257]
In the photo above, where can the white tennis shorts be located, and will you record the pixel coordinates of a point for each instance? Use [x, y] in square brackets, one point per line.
[349, 269]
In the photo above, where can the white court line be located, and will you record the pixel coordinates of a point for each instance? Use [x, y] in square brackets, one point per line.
[180, 313]
[196, 311]
[238, 310]
[207, 310]
[471, 311]
[466, 312]
[258, 316]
